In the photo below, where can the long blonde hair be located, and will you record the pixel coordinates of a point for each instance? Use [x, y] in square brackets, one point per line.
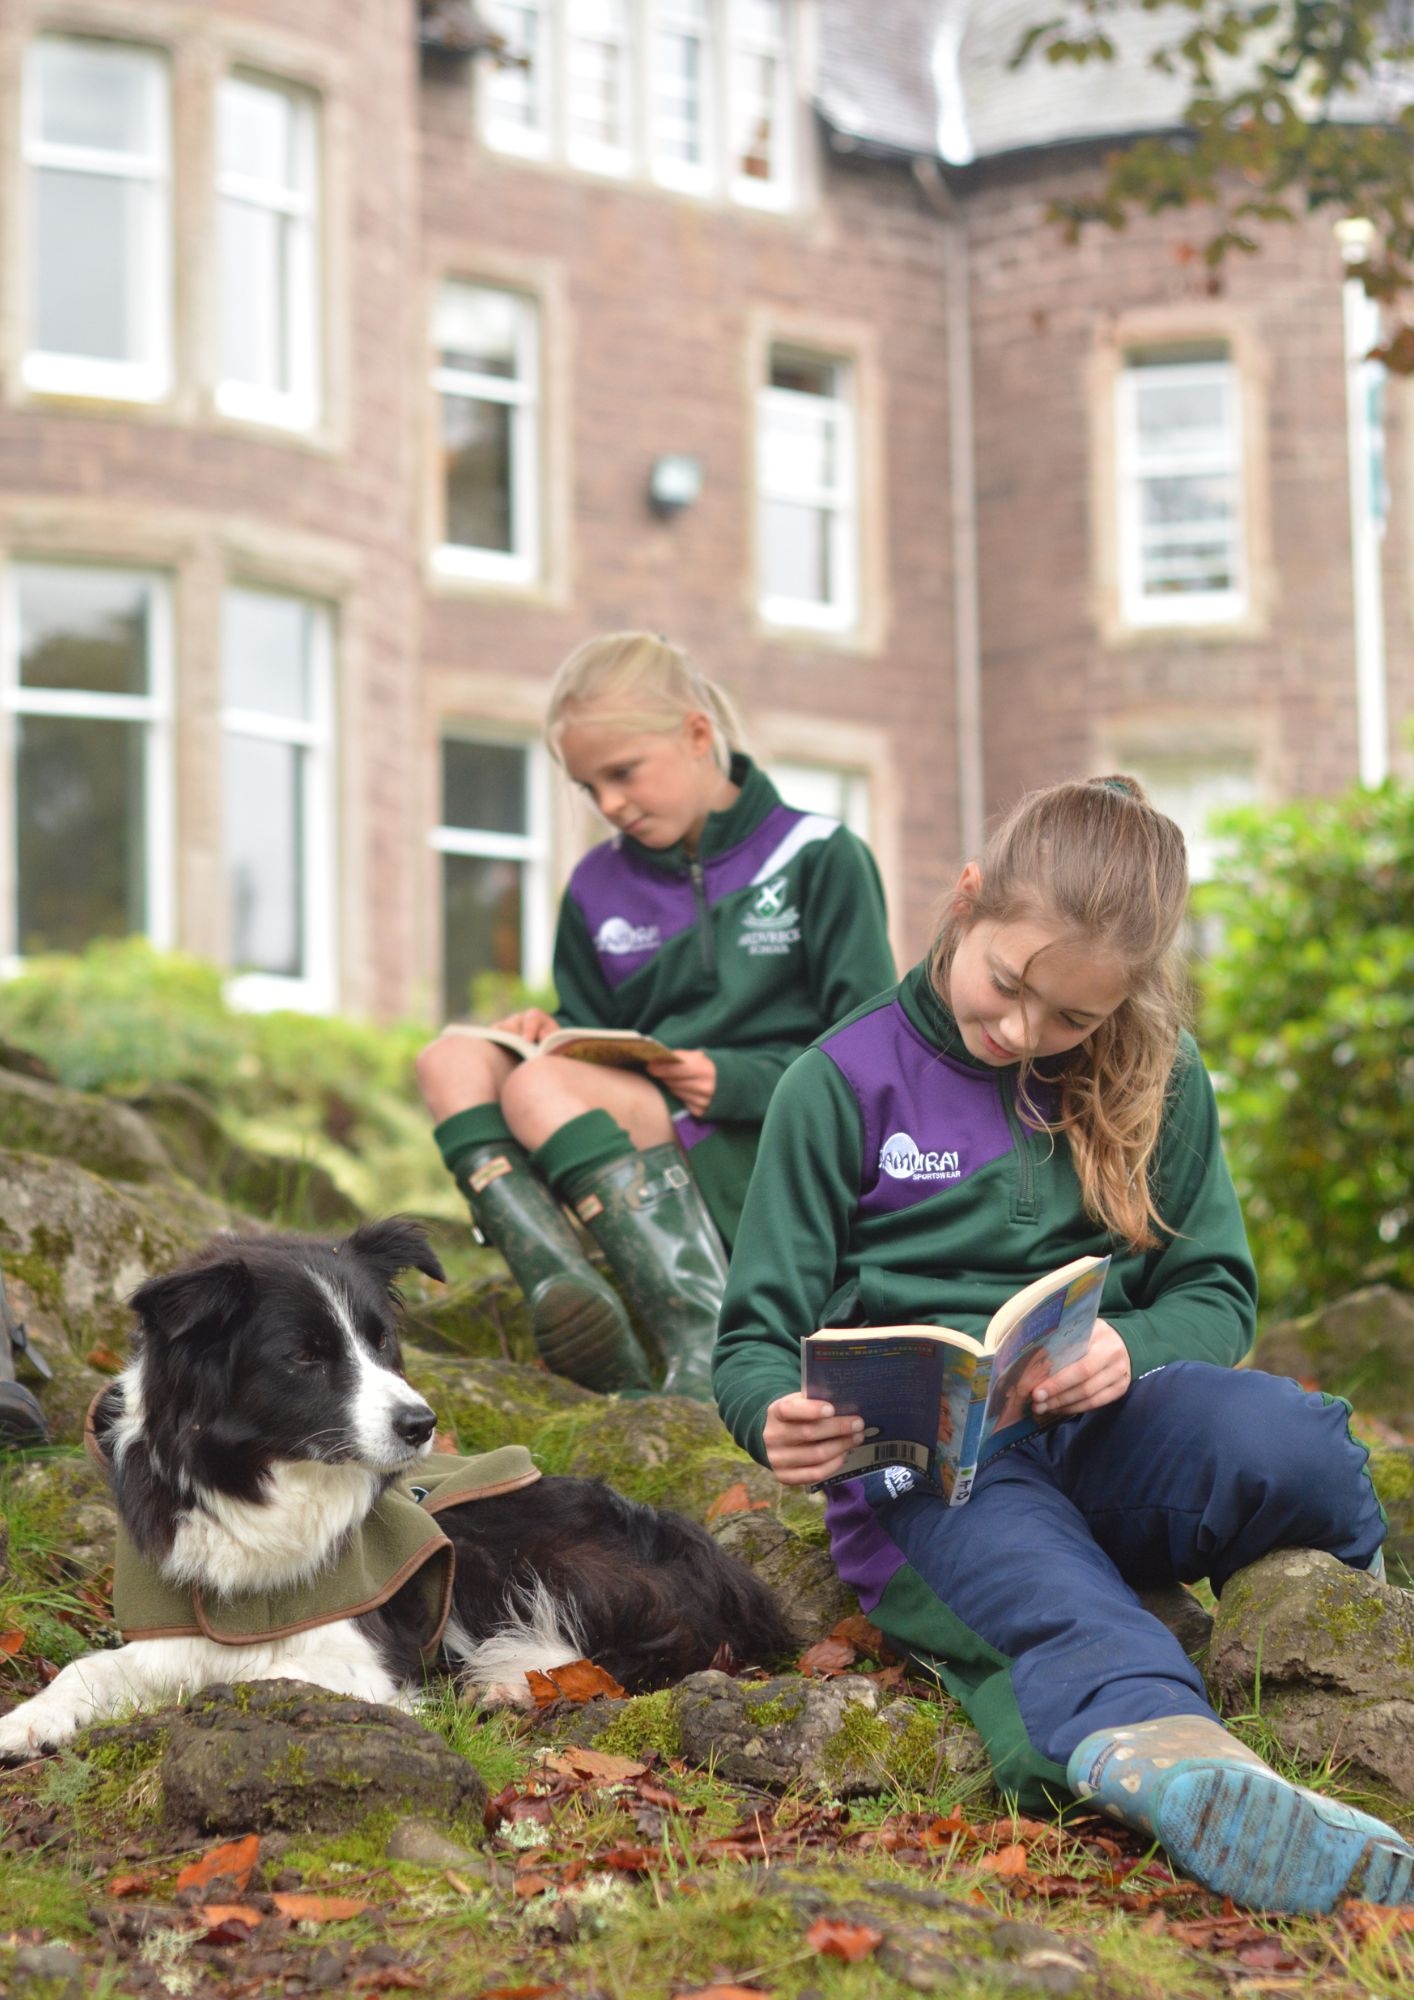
[640, 681]
[1100, 863]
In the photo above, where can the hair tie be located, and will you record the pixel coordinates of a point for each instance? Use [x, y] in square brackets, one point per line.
[1120, 785]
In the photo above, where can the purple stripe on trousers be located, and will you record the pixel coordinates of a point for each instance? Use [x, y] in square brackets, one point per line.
[690, 1131]
[866, 1558]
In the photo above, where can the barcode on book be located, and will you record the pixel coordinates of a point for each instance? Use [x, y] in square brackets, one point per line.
[903, 1451]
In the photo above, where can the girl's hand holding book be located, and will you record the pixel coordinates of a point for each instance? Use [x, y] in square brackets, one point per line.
[805, 1441]
[532, 1023]
[1100, 1376]
[691, 1075]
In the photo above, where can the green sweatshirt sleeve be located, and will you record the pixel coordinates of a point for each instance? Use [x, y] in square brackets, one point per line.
[793, 1233]
[746, 1079]
[1199, 1289]
[585, 1000]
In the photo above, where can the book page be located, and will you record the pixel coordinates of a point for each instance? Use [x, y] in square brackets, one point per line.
[614, 1047]
[504, 1038]
[1054, 1332]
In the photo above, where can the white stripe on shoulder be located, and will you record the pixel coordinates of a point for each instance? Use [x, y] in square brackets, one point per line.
[811, 826]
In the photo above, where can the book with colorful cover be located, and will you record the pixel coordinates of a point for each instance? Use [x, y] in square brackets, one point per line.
[618, 1048]
[943, 1402]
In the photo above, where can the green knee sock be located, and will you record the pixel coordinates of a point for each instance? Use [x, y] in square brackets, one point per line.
[590, 1140]
[464, 1131]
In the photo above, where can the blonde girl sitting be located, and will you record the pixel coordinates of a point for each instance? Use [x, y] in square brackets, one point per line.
[729, 925]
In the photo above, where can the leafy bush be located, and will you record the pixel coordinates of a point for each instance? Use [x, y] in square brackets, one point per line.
[1308, 1023]
[123, 1017]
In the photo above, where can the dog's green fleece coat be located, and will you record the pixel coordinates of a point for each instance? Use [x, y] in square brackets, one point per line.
[399, 1544]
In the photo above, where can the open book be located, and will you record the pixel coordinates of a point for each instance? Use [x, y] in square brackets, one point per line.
[943, 1402]
[620, 1048]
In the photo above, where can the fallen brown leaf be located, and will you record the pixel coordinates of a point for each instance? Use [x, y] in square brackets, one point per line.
[129, 1885]
[11, 1643]
[1011, 1860]
[736, 1500]
[383, 1976]
[530, 1884]
[857, 1631]
[233, 1858]
[836, 1939]
[596, 1764]
[102, 1357]
[827, 1657]
[228, 1923]
[307, 1908]
[581, 1680]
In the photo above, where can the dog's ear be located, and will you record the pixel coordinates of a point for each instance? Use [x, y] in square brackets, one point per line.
[199, 1298]
[390, 1246]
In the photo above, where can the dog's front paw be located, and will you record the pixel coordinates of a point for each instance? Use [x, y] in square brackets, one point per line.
[500, 1694]
[30, 1729]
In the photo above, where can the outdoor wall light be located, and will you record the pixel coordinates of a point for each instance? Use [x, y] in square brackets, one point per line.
[674, 482]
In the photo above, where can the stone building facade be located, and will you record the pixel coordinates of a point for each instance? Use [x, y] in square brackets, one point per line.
[357, 361]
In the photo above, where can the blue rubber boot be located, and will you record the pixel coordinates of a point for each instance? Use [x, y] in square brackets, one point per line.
[1226, 1818]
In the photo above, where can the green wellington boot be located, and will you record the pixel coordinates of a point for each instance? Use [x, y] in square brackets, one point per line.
[1226, 1818]
[646, 1213]
[580, 1326]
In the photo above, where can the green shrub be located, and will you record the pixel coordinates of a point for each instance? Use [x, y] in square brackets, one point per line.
[1308, 1024]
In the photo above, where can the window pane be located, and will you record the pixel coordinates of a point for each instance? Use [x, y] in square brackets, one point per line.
[255, 294]
[1189, 501]
[483, 786]
[598, 72]
[755, 116]
[800, 449]
[678, 133]
[796, 558]
[1183, 416]
[267, 655]
[482, 924]
[91, 268]
[99, 95]
[80, 847]
[517, 89]
[257, 133]
[477, 330]
[476, 441]
[808, 374]
[83, 628]
[264, 812]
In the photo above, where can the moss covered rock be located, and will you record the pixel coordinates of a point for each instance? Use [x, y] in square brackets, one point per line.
[836, 1735]
[1360, 1346]
[485, 1317]
[280, 1754]
[108, 1138]
[1392, 1469]
[303, 1194]
[489, 1403]
[1334, 1651]
[662, 1449]
[805, 1581]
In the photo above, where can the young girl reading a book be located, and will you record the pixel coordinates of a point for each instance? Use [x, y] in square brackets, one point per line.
[725, 923]
[1038, 1051]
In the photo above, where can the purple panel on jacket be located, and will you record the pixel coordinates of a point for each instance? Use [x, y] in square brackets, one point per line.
[731, 871]
[690, 1131]
[929, 1121]
[863, 1554]
[630, 907]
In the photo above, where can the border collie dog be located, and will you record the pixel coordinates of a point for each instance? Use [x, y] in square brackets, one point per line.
[263, 1418]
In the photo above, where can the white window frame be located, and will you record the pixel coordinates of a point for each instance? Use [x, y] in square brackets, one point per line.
[669, 18]
[595, 157]
[149, 378]
[727, 34]
[1157, 608]
[151, 712]
[298, 407]
[521, 392]
[534, 141]
[840, 501]
[777, 192]
[313, 991]
[531, 850]
[793, 778]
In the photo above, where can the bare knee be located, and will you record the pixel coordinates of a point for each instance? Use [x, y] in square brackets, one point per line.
[454, 1072]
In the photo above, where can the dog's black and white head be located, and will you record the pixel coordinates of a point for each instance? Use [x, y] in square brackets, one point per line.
[265, 1407]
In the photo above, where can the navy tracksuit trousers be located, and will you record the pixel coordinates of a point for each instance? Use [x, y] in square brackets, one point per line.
[1024, 1598]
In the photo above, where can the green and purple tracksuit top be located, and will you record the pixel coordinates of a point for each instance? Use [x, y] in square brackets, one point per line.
[898, 1182]
[748, 949]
